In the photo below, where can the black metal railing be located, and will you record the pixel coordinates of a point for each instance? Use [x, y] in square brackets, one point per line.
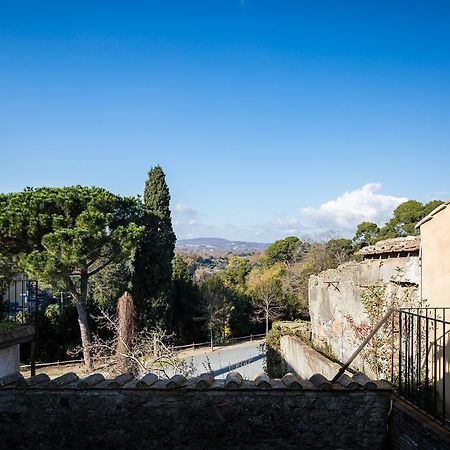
[420, 359]
[21, 301]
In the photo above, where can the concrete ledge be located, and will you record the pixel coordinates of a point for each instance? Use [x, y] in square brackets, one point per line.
[16, 336]
[304, 360]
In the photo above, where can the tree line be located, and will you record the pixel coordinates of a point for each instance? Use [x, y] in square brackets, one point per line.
[96, 245]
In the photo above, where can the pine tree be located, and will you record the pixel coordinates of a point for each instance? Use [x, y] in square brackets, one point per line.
[153, 259]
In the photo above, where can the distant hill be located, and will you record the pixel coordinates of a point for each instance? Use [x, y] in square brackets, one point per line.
[218, 245]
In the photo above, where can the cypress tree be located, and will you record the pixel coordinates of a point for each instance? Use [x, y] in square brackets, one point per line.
[153, 259]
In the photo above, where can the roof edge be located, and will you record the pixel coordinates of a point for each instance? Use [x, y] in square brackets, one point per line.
[432, 214]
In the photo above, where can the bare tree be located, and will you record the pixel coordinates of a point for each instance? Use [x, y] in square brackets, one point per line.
[266, 304]
[135, 352]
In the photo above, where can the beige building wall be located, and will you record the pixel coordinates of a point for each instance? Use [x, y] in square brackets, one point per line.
[435, 258]
[435, 289]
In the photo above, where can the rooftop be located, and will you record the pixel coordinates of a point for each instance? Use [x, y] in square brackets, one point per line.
[397, 245]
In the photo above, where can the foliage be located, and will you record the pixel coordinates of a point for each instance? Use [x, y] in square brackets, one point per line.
[187, 306]
[237, 270]
[106, 286]
[153, 260]
[52, 312]
[8, 325]
[265, 289]
[274, 360]
[63, 236]
[403, 222]
[283, 250]
[58, 332]
[366, 234]
[6, 271]
[339, 249]
[217, 307]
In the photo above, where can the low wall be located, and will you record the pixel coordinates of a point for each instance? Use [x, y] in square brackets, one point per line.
[55, 417]
[304, 360]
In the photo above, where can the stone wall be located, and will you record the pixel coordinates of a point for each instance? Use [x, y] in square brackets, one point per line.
[335, 300]
[235, 414]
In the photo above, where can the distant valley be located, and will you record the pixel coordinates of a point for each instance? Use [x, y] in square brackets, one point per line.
[218, 245]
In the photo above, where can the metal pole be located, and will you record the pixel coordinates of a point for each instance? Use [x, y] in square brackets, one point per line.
[212, 345]
[33, 358]
[444, 365]
[363, 344]
[35, 342]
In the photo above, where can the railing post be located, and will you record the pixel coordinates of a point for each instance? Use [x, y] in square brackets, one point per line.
[444, 365]
[400, 351]
[392, 345]
[426, 354]
[435, 366]
[33, 358]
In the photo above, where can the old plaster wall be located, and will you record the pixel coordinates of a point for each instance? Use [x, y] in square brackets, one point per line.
[435, 255]
[335, 300]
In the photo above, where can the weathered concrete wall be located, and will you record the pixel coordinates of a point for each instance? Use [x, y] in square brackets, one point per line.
[9, 360]
[410, 429]
[303, 360]
[191, 419]
[335, 300]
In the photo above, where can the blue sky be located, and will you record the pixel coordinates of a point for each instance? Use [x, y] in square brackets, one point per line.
[269, 118]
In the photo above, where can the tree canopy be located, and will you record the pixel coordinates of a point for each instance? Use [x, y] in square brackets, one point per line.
[283, 250]
[153, 260]
[402, 223]
[63, 236]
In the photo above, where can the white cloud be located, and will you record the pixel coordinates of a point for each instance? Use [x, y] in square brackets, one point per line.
[285, 226]
[351, 208]
[183, 209]
[340, 215]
